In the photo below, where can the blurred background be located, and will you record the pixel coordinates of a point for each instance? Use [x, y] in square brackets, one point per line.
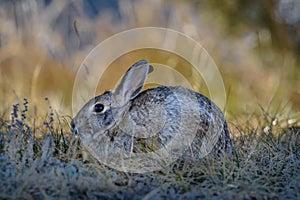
[255, 44]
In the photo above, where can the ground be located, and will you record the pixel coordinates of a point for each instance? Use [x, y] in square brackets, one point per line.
[265, 165]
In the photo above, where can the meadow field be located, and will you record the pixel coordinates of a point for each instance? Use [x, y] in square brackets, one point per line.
[42, 45]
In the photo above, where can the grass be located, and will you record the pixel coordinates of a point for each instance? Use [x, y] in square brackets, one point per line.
[265, 165]
[41, 159]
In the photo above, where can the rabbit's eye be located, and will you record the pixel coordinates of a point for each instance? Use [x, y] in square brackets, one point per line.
[98, 108]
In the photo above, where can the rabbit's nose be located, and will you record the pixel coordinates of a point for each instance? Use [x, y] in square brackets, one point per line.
[73, 127]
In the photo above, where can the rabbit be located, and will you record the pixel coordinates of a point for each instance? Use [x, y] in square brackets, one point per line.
[179, 121]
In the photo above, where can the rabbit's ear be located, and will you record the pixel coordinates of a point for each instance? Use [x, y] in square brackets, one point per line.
[132, 82]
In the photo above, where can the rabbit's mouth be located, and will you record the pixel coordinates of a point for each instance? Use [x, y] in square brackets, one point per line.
[76, 130]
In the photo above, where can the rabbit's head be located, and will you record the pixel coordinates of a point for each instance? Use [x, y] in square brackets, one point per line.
[102, 113]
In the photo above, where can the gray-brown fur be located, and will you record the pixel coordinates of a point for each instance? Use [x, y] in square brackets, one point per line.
[152, 118]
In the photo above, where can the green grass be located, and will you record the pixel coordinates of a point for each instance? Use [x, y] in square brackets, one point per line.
[265, 165]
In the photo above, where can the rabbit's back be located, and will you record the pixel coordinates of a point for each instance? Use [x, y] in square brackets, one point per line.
[158, 115]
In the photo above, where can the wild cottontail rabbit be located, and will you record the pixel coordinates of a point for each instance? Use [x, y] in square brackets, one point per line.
[175, 119]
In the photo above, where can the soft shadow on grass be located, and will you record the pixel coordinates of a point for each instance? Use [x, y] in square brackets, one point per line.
[265, 165]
